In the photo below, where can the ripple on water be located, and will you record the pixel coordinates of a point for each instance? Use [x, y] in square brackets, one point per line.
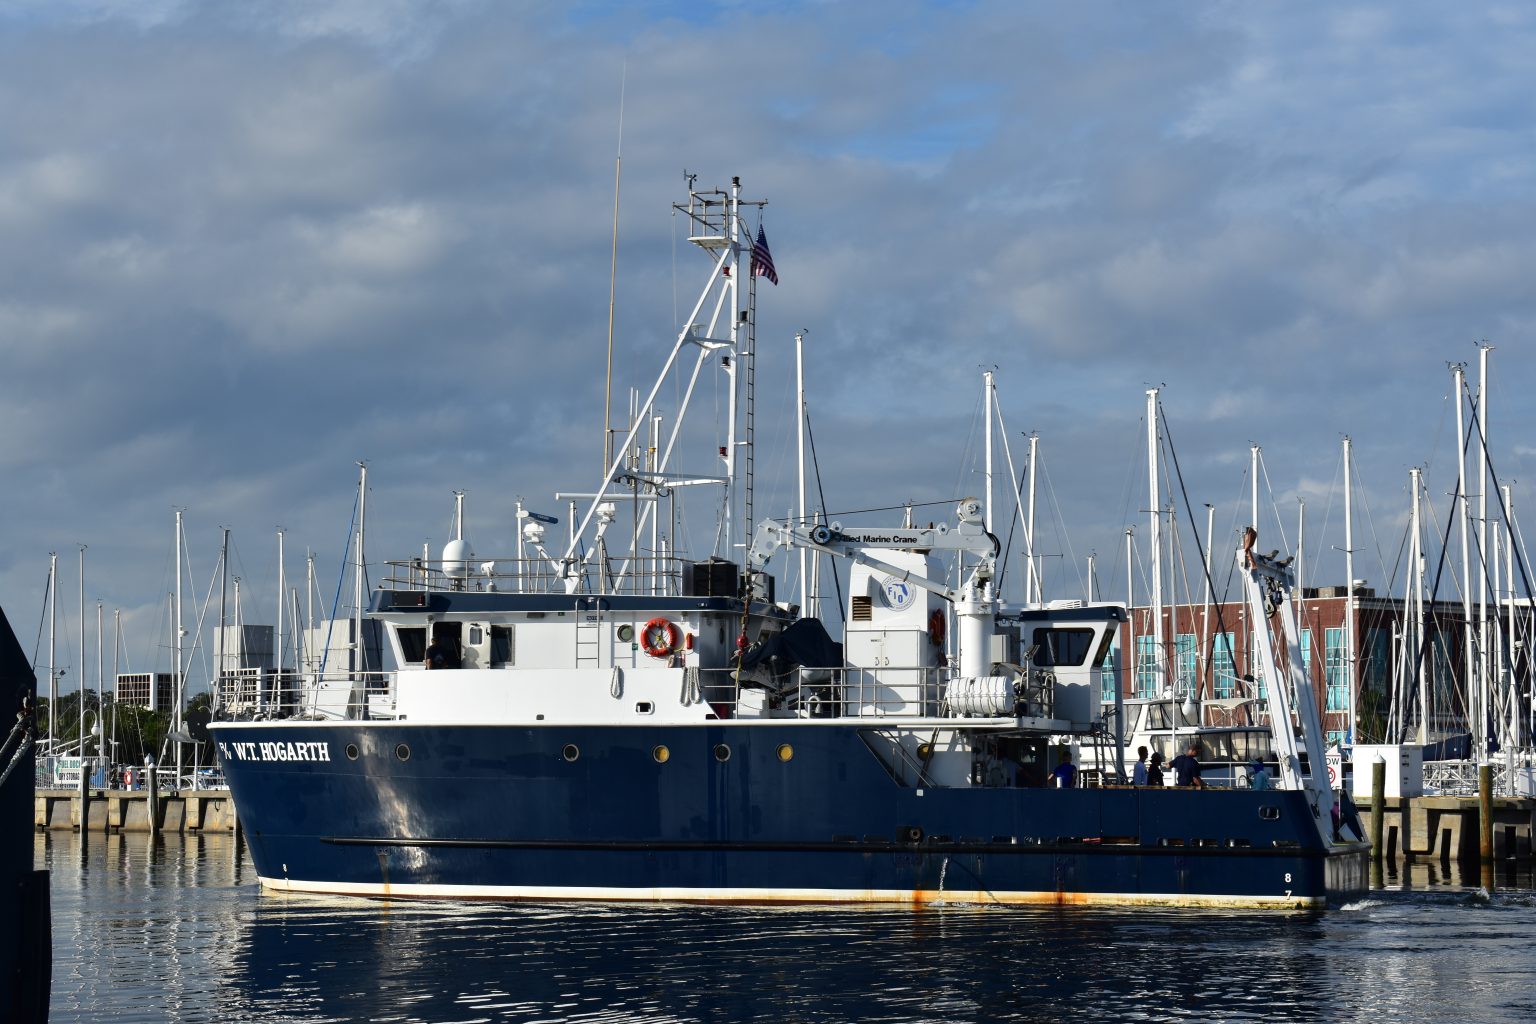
[178, 932]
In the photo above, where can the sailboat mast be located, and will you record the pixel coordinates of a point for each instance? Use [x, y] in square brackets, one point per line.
[1031, 574]
[1206, 654]
[1157, 547]
[282, 587]
[805, 554]
[222, 646]
[1464, 514]
[1415, 566]
[309, 609]
[176, 617]
[357, 580]
[117, 647]
[1482, 702]
[1131, 659]
[1350, 652]
[180, 678]
[80, 674]
[1513, 738]
[53, 644]
[101, 682]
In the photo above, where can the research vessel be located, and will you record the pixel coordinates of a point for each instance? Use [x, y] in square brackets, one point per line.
[606, 719]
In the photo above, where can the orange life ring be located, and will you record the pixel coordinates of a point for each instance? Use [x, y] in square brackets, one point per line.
[936, 627]
[659, 638]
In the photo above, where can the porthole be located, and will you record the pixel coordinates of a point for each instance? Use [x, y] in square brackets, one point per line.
[351, 751]
[626, 633]
[571, 752]
[403, 752]
[924, 751]
[661, 753]
[786, 752]
[722, 753]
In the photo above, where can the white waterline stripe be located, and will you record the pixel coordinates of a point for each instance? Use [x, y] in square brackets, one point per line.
[750, 895]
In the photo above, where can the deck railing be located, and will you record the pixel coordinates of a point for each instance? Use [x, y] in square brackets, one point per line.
[807, 693]
[611, 575]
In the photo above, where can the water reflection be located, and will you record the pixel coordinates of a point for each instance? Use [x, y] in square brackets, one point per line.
[174, 929]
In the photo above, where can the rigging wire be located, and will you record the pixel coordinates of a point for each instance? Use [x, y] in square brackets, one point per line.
[42, 617]
[1195, 529]
[821, 496]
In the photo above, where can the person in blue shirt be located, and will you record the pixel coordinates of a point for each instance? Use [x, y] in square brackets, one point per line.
[1258, 775]
[1139, 773]
[1065, 774]
[1186, 768]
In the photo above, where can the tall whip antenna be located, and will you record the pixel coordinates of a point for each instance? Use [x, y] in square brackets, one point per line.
[613, 274]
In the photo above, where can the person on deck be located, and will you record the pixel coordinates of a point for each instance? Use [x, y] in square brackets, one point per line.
[1065, 774]
[438, 654]
[1155, 770]
[1139, 773]
[1258, 775]
[1186, 768]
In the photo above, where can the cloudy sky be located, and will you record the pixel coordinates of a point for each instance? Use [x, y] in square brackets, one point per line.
[243, 247]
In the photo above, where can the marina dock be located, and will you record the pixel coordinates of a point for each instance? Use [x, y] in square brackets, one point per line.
[116, 810]
[1442, 828]
[1447, 828]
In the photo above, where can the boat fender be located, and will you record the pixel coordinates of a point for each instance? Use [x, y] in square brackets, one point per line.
[912, 834]
[659, 638]
[936, 627]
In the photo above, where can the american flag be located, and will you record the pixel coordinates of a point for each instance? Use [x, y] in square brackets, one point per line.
[762, 259]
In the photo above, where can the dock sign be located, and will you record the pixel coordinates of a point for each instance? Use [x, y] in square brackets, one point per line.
[1334, 758]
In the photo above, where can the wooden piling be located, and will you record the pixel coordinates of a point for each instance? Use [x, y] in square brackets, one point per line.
[1378, 806]
[85, 799]
[1485, 811]
[154, 799]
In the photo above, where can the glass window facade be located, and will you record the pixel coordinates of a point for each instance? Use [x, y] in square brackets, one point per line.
[1185, 652]
[1146, 666]
[1335, 669]
[1109, 673]
[1223, 667]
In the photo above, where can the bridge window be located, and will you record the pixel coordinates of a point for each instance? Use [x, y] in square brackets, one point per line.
[413, 644]
[1062, 647]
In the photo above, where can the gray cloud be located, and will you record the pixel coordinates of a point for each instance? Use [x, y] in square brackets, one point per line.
[246, 247]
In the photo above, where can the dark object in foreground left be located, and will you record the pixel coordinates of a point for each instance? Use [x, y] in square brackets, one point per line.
[26, 950]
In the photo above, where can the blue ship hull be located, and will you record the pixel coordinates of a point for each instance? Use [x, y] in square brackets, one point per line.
[767, 811]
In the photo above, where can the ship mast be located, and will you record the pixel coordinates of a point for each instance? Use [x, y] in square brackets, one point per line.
[715, 225]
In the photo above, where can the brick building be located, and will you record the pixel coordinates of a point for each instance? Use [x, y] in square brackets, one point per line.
[1211, 650]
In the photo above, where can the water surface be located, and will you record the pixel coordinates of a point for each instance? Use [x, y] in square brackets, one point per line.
[178, 931]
